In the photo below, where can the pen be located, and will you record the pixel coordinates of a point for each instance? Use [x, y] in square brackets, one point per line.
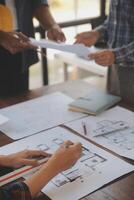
[84, 128]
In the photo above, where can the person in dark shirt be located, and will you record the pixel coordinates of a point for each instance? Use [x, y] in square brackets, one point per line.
[16, 56]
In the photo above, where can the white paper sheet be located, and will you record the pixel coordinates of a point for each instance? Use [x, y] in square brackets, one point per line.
[3, 119]
[36, 115]
[119, 141]
[79, 49]
[91, 172]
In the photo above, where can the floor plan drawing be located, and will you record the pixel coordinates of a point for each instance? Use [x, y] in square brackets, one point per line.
[113, 131]
[92, 171]
[88, 162]
[106, 126]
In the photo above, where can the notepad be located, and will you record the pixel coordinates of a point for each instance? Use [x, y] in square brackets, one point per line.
[95, 102]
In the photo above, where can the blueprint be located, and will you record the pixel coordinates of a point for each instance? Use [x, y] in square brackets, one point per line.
[92, 171]
[113, 129]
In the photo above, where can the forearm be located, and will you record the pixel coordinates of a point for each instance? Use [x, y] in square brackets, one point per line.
[124, 54]
[3, 160]
[37, 181]
[43, 14]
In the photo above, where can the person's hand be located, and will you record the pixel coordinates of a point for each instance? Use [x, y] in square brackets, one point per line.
[88, 38]
[55, 33]
[66, 156]
[15, 42]
[104, 57]
[26, 157]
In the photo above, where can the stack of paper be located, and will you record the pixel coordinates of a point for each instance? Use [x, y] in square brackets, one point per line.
[78, 49]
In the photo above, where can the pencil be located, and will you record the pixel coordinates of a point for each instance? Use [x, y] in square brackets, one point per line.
[84, 128]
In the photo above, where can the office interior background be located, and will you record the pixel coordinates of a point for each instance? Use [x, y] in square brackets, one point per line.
[74, 16]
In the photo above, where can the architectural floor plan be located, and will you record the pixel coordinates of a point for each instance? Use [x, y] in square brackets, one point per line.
[114, 129]
[92, 171]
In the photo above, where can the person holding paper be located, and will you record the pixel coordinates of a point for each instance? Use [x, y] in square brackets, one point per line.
[16, 54]
[118, 32]
[31, 187]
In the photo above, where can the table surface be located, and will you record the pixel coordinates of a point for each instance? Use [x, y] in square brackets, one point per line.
[121, 189]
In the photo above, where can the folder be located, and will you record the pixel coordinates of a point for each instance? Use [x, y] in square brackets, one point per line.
[95, 102]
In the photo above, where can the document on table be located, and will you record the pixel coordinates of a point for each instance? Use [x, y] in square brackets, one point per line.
[91, 172]
[79, 49]
[3, 119]
[35, 115]
[113, 129]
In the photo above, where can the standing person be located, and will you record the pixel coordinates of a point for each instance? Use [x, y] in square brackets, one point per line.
[66, 156]
[17, 56]
[118, 32]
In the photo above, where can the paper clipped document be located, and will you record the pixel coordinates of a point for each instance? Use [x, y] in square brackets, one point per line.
[35, 115]
[78, 49]
[92, 171]
[113, 129]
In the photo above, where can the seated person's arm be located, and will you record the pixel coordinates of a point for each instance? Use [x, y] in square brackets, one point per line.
[28, 189]
[18, 190]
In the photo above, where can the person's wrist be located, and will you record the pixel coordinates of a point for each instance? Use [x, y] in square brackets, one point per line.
[97, 34]
[53, 166]
[3, 159]
[53, 26]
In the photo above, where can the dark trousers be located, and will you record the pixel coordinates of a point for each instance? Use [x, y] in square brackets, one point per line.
[13, 79]
[121, 82]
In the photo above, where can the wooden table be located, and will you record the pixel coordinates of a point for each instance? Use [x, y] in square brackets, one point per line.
[121, 189]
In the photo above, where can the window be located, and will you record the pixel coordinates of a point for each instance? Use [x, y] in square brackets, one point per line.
[75, 9]
[64, 11]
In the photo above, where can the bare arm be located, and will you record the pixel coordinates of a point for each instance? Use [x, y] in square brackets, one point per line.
[54, 166]
[43, 14]
[68, 151]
